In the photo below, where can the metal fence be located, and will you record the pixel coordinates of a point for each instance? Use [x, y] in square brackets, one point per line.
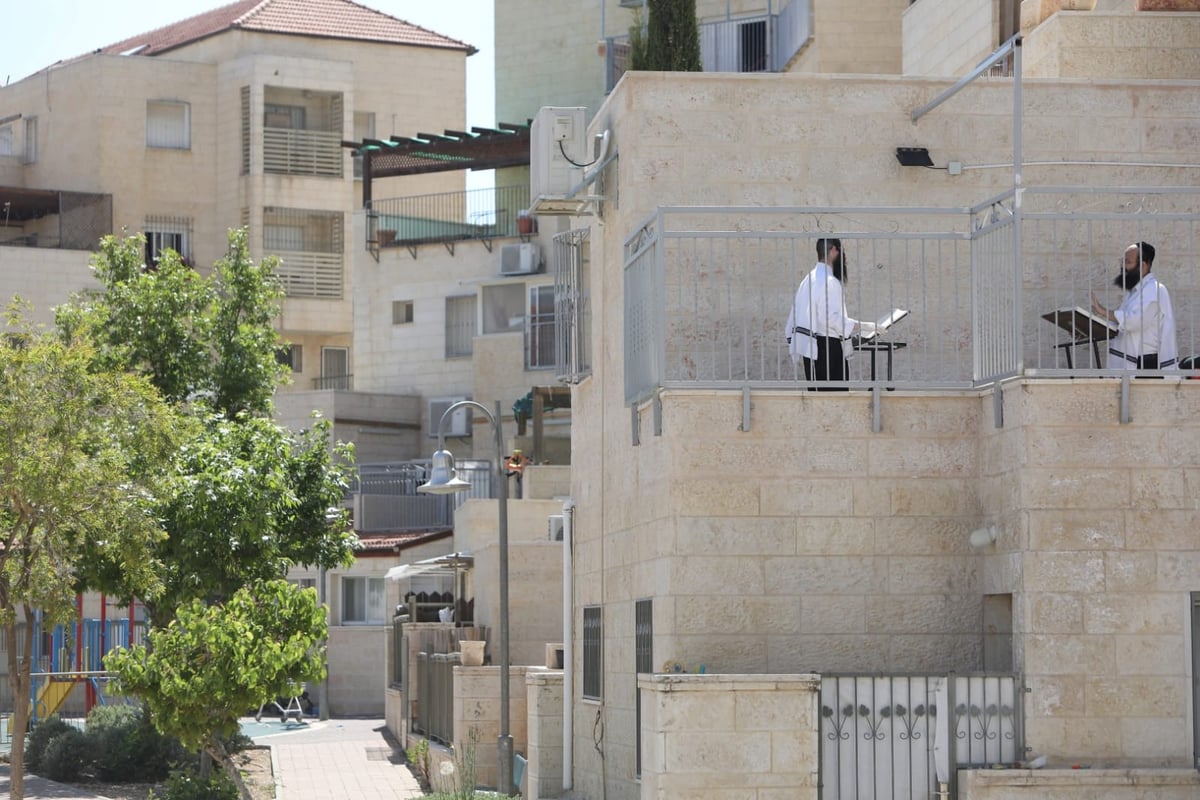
[386, 495]
[474, 214]
[901, 736]
[707, 290]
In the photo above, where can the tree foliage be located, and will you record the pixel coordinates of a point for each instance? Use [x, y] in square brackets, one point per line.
[215, 661]
[83, 455]
[672, 42]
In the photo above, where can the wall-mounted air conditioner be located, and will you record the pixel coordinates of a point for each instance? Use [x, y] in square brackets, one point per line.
[555, 527]
[557, 137]
[519, 259]
[459, 423]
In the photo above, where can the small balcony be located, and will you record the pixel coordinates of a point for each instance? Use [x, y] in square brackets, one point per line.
[763, 42]
[53, 219]
[385, 496]
[292, 152]
[470, 215]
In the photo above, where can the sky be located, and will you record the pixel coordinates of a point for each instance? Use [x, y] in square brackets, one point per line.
[37, 33]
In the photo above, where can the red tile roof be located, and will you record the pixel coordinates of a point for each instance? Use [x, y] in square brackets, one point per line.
[389, 543]
[329, 19]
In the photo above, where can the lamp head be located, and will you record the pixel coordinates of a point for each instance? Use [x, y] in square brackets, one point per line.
[982, 537]
[442, 477]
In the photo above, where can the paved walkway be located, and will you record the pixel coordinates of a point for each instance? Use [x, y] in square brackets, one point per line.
[337, 758]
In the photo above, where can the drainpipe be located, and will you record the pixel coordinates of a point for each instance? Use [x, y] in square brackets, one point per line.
[568, 649]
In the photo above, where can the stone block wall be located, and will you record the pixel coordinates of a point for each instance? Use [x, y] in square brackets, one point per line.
[711, 737]
[477, 710]
[544, 773]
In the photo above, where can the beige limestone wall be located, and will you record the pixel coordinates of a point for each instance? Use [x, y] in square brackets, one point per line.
[43, 278]
[712, 736]
[948, 37]
[544, 773]
[1131, 44]
[356, 669]
[534, 597]
[862, 37]
[1078, 784]
[477, 716]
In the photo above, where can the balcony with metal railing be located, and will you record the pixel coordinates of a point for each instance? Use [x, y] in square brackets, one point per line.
[708, 290]
[385, 495]
[447, 217]
[299, 152]
[763, 42]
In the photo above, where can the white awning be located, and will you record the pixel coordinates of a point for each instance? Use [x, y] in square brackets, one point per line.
[443, 565]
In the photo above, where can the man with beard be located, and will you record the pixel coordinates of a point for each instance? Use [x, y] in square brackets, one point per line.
[819, 330]
[1145, 321]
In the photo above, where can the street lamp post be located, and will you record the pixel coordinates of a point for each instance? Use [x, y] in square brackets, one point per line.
[444, 480]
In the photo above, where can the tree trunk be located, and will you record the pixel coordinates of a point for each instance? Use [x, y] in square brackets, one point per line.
[19, 679]
[219, 755]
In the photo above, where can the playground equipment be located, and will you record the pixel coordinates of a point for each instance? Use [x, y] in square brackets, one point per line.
[70, 655]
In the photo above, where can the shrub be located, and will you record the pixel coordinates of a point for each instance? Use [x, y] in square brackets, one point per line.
[418, 757]
[39, 737]
[187, 785]
[67, 755]
[128, 747]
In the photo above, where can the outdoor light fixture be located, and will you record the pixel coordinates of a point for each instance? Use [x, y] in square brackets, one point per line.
[444, 480]
[913, 157]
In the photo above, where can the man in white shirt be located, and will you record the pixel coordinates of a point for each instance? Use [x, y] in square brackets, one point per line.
[1145, 320]
[818, 327]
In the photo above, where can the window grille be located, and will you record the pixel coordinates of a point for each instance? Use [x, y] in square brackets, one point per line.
[168, 124]
[572, 306]
[460, 325]
[163, 233]
[643, 655]
[245, 130]
[6, 140]
[593, 669]
[335, 368]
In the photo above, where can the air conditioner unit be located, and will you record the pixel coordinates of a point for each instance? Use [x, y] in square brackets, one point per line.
[459, 423]
[557, 137]
[555, 527]
[519, 259]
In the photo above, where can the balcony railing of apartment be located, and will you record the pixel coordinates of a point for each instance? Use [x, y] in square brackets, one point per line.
[341, 383]
[53, 219]
[287, 151]
[305, 274]
[708, 291]
[385, 496]
[473, 214]
[763, 42]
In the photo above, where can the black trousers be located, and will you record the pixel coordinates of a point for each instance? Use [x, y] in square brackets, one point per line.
[829, 365]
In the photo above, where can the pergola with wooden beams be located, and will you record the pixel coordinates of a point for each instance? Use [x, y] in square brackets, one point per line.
[507, 145]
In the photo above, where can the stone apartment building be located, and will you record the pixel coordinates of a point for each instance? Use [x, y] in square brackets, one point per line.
[989, 508]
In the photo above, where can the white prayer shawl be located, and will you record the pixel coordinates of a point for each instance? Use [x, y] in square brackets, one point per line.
[1146, 325]
[818, 309]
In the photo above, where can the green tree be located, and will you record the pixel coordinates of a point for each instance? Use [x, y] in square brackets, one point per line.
[672, 37]
[82, 462]
[214, 661]
[249, 498]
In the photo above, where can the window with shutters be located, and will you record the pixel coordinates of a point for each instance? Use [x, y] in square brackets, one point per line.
[169, 124]
[593, 668]
[460, 326]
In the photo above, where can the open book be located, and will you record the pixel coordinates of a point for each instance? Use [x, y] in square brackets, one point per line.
[883, 323]
[1082, 325]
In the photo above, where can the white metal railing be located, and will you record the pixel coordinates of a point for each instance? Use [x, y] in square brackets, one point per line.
[707, 290]
[309, 274]
[298, 152]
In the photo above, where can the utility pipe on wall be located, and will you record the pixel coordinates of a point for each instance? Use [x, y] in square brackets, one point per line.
[568, 649]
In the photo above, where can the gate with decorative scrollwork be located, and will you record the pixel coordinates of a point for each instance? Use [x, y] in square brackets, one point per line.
[888, 737]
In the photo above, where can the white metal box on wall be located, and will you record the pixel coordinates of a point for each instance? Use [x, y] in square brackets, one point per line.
[557, 137]
[458, 424]
[519, 259]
